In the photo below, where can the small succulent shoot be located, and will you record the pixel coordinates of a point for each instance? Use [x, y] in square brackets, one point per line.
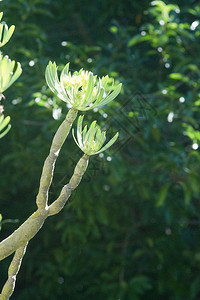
[5, 32]
[9, 72]
[91, 140]
[82, 90]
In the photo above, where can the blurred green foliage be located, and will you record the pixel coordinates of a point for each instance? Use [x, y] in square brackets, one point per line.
[131, 230]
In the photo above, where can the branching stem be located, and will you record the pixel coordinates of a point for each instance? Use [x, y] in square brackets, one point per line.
[19, 239]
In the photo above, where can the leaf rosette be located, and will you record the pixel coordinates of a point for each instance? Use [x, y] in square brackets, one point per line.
[82, 90]
[91, 140]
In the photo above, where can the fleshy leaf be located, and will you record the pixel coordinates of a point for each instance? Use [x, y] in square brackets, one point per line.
[110, 97]
[110, 143]
[90, 141]
[5, 33]
[3, 124]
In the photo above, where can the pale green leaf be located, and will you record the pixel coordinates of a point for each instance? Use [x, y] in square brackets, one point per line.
[110, 143]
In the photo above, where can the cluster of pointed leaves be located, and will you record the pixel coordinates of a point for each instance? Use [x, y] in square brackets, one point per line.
[9, 72]
[5, 32]
[91, 140]
[81, 90]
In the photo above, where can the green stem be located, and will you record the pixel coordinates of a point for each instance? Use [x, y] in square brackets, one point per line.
[12, 273]
[60, 202]
[79, 171]
[49, 164]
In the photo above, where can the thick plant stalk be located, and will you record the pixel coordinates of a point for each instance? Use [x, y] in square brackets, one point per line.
[49, 164]
[23, 234]
[12, 273]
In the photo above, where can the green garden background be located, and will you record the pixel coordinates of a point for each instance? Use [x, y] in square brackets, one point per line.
[131, 231]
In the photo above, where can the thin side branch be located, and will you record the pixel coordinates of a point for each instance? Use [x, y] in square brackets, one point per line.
[79, 171]
[60, 202]
[12, 273]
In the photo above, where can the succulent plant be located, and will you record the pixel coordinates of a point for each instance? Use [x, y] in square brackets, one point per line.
[91, 140]
[82, 90]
